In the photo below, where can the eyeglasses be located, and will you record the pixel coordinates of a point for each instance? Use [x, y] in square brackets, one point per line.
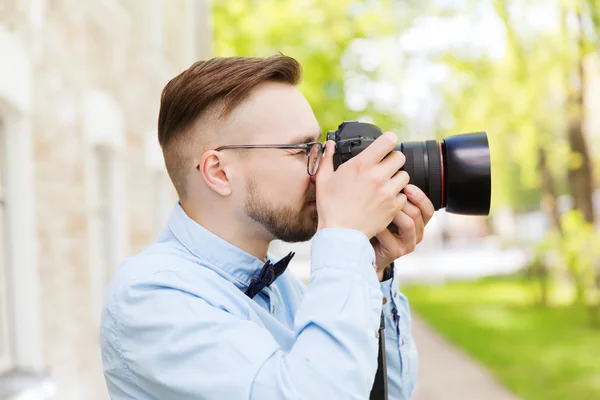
[314, 151]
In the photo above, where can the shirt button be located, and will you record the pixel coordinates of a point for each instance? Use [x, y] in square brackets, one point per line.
[377, 334]
[402, 341]
[384, 300]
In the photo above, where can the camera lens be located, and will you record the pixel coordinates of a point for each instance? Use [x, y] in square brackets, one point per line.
[454, 174]
[424, 165]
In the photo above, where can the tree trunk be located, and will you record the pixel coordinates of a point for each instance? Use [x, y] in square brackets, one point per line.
[580, 175]
[549, 207]
[548, 200]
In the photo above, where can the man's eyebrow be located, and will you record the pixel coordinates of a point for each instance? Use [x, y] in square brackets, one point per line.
[306, 139]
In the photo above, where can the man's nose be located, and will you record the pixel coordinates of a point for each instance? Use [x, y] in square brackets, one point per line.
[313, 179]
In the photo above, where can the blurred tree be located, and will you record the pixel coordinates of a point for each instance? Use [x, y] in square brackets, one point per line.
[532, 100]
[593, 7]
[532, 103]
[580, 250]
[316, 33]
[518, 99]
[576, 48]
[540, 133]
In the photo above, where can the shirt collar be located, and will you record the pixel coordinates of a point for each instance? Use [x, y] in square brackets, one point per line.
[207, 246]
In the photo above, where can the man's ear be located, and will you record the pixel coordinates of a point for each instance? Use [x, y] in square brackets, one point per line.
[212, 168]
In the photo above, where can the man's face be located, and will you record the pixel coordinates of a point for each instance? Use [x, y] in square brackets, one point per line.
[278, 192]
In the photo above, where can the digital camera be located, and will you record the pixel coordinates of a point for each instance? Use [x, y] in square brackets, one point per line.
[454, 173]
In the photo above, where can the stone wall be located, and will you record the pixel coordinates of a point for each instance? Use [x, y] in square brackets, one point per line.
[97, 69]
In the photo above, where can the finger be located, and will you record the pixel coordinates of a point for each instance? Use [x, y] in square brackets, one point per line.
[387, 240]
[392, 163]
[415, 213]
[419, 199]
[399, 181]
[401, 201]
[326, 163]
[406, 230]
[377, 150]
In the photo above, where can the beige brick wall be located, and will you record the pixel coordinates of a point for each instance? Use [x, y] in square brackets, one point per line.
[77, 47]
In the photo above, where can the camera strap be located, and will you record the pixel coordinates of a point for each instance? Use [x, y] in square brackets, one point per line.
[380, 385]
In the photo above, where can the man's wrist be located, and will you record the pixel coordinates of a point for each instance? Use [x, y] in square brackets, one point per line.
[344, 249]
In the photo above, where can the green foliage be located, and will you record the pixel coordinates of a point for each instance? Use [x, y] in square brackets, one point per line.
[520, 98]
[542, 267]
[570, 258]
[317, 34]
[580, 250]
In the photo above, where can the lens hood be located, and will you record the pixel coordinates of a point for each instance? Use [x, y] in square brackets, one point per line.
[468, 183]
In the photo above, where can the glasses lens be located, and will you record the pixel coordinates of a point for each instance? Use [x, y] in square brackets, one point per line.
[314, 157]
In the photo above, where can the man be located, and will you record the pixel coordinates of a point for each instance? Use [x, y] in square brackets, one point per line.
[190, 317]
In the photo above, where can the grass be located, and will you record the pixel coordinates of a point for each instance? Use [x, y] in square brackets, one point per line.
[538, 353]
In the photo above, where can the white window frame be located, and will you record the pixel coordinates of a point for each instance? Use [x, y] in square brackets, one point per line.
[104, 134]
[22, 273]
[6, 339]
[103, 212]
[162, 192]
[163, 199]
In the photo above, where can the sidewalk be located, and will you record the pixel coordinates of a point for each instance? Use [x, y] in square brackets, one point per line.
[446, 373]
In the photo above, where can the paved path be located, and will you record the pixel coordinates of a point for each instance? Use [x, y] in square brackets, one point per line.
[446, 373]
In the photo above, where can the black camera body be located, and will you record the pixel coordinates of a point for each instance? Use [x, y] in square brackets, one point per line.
[455, 173]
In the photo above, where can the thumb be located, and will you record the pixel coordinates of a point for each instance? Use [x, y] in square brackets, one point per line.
[326, 166]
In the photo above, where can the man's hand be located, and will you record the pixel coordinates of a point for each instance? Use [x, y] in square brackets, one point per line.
[364, 193]
[411, 221]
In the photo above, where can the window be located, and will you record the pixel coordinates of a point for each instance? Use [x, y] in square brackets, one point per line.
[5, 337]
[103, 212]
[21, 368]
[105, 181]
[161, 191]
[20, 322]
[163, 198]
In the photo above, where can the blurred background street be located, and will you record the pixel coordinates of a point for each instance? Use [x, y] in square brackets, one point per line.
[506, 306]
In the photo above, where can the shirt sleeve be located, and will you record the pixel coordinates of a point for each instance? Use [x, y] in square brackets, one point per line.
[400, 348]
[175, 345]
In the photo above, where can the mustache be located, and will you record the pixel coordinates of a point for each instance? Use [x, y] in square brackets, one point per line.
[311, 194]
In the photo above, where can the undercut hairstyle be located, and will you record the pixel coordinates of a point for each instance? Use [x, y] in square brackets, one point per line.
[210, 90]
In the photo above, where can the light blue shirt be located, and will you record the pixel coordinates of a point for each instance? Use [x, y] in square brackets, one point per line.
[176, 323]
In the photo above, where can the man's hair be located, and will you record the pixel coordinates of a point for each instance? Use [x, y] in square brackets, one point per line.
[211, 89]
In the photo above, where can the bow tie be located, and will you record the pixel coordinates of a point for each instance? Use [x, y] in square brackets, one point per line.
[268, 274]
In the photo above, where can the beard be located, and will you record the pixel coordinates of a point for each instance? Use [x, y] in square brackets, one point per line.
[283, 222]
